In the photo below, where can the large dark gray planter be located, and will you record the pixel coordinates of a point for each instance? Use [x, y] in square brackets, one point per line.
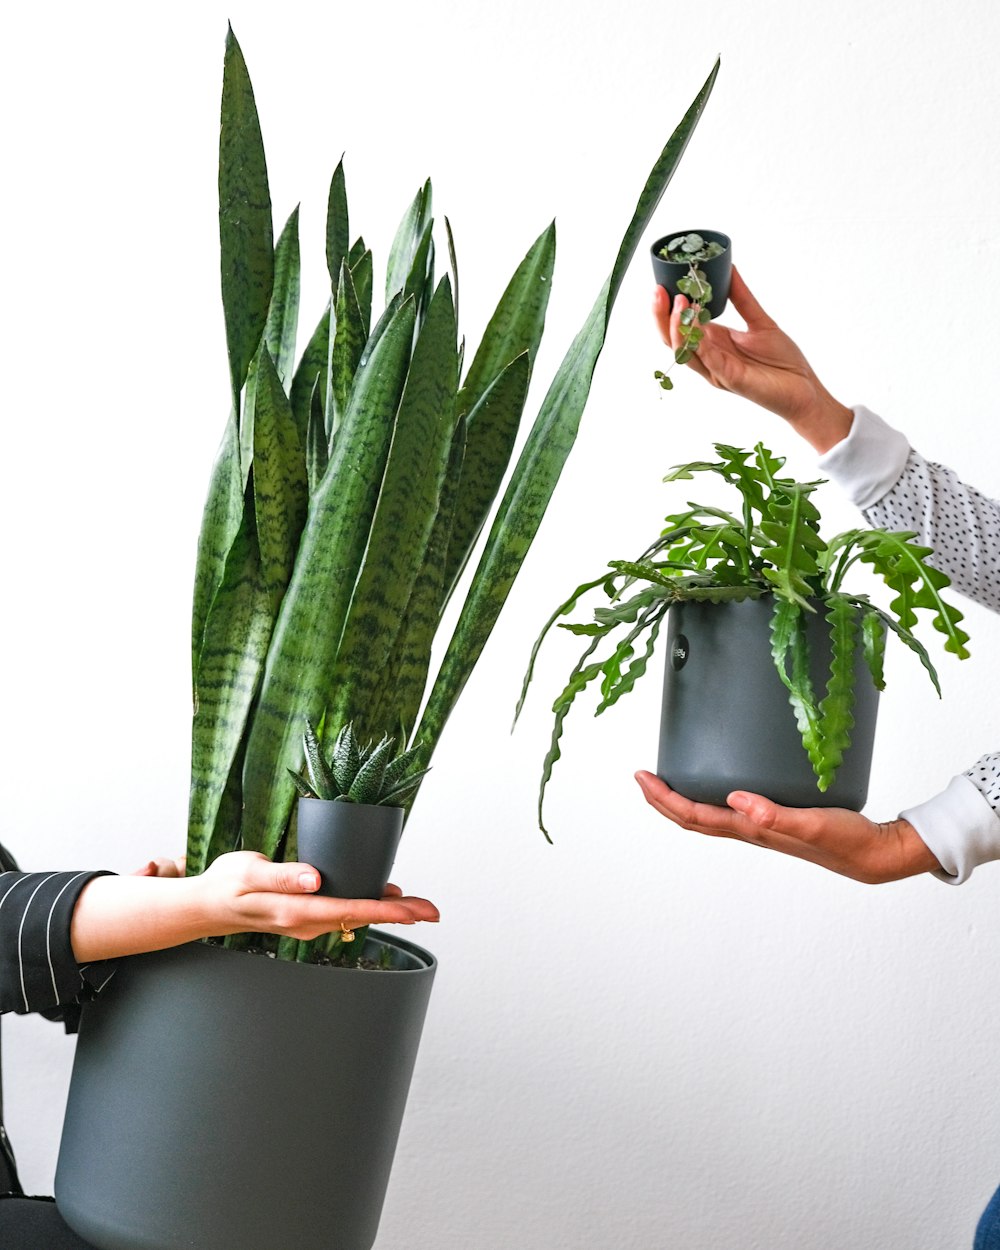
[718, 270]
[726, 722]
[227, 1101]
[353, 845]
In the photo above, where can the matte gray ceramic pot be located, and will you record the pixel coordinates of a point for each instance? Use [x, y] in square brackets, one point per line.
[227, 1101]
[353, 845]
[726, 722]
[718, 270]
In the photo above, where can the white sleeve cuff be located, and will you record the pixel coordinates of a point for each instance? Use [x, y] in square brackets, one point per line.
[868, 462]
[960, 827]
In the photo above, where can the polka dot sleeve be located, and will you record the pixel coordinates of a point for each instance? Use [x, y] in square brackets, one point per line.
[896, 488]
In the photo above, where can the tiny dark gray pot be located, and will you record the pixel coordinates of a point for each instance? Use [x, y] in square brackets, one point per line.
[222, 1100]
[726, 722]
[353, 845]
[718, 270]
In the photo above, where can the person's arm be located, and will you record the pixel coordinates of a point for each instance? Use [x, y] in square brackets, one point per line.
[241, 892]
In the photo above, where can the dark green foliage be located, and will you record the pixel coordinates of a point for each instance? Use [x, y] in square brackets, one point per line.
[773, 547]
[351, 491]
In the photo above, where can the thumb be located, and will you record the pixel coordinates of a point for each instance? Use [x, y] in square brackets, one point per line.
[282, 878]
[764, 812]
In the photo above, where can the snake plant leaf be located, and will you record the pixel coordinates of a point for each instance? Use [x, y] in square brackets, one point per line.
[517, 322]
[245, 230]
[546, 450]
[317, 442]
[411, 234]
[347, 342]
[338, 234]
[281, 489]
[312, 367]
[306, 638]
[453, 262]
[283, 313]
[404, 518]
[219, 527]
[492, 430]
[361, 276]
[402, 688]
[358, 249]
[236, 637]
[836, 708]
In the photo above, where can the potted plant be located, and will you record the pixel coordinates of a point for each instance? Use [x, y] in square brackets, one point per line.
[220, 1098]
[773, 665]
[699, 265]
[350, 812]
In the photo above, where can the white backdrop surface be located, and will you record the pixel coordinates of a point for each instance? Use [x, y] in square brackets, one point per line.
[638, 1038]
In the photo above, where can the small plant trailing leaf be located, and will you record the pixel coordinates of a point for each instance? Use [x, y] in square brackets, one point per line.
[769, 547]
[357, 774]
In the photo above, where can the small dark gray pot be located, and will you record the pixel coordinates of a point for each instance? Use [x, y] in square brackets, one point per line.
[726, 722]
[227, 1101]
[353, 845]
[718, 270]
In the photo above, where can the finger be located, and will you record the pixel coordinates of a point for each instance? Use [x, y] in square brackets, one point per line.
[392, 891]
[661, 312]
[802, 824]
[745, 303]
[285, 878]
[699, 817]
[147, 870]
[680, 304]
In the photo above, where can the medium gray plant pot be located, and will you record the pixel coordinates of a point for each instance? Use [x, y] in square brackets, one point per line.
[353, 845]
[726, 722]
[222, 1100]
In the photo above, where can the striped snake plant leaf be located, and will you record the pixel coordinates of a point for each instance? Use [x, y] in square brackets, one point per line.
[219, 527]
[317, 442]
[362, 277]
[243, 613]
[235, 643]
[548, 446]
[321, 775]
[405, 677]
[281, 491]
[306, 638]
[245, 229]
[283, 313]
[357, 250]
[492, 429]
[347, 342]
[517, 322]
[411, 232]
[404, 519]
[453, 263]
[311, 368]
[338, 234]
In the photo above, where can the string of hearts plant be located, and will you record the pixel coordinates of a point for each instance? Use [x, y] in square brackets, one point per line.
[769, 547]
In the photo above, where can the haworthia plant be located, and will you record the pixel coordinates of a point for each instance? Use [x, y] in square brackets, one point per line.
[352, 486]
[770, 548]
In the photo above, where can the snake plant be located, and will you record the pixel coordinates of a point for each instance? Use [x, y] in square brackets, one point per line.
[353, 773]
[354, 482]
[770, 547]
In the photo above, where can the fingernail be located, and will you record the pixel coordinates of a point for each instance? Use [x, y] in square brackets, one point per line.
[308, 881]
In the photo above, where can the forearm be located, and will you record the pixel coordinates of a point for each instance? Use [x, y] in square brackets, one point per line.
[118, 916]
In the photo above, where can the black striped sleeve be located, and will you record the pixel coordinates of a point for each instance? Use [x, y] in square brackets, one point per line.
[38, 971]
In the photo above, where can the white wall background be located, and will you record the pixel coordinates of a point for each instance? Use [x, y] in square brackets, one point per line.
[638, 1038]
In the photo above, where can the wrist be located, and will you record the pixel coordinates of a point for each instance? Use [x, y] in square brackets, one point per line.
[824, 424]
